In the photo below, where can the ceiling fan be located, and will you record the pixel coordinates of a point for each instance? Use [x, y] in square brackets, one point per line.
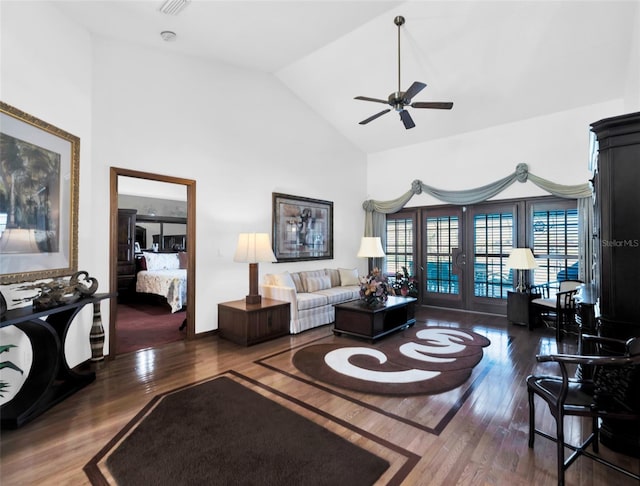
[399, 100]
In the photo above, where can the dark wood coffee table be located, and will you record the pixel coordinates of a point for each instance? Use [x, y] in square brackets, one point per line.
[356, 319]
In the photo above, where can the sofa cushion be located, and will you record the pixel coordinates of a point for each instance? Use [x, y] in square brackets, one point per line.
[309, 301]
[348, 276]
[310, 274]
[337, 295]
[318, 283]
[334, 275]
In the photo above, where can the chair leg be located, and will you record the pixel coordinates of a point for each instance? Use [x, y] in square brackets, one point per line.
[560, 447]
[596, 435]
[532, 420]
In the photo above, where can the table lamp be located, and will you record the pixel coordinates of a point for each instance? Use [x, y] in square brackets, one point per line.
[521, 259]
[253, 248]
[370, 247]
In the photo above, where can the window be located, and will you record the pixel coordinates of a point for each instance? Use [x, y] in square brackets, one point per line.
[555, 244]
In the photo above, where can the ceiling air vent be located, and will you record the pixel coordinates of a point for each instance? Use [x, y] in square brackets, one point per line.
[174, 7]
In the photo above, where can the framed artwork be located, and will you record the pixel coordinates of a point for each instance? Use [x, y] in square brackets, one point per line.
[38, 198]
[302, 228]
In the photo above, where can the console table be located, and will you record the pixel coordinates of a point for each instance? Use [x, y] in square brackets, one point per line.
[50, 380]
[357, 319]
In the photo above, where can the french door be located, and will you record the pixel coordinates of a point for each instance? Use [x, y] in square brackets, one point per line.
[465, 251]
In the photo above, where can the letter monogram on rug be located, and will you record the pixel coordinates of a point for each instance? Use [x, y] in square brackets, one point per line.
[417, 361]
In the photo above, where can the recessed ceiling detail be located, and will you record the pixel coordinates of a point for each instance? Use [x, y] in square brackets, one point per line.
[174, 7]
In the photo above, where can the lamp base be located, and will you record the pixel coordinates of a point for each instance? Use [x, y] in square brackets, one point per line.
[253, 299]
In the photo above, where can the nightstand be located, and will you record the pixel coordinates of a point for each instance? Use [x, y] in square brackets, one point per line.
[518, 311]
[249, 324]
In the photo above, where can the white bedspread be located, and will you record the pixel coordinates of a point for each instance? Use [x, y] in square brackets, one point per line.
[171, 284]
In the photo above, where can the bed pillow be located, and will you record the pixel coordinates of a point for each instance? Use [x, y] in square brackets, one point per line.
[318, 283]
[161, 261]
[348, 276]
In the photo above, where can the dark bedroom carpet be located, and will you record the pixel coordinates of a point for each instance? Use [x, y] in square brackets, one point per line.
[141, 326]
[222, 433]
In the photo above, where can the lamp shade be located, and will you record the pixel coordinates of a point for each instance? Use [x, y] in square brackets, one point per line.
[254, 248]
[370, 247]
[521, 259]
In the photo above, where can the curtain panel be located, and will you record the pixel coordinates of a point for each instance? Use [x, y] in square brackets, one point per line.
[375, 211]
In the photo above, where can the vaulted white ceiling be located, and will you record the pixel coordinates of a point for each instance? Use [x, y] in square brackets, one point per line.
[498, 61]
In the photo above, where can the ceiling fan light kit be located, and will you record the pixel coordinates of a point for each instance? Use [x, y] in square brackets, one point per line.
[399, 100]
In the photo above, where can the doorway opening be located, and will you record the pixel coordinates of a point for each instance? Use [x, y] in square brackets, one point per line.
[166, 236]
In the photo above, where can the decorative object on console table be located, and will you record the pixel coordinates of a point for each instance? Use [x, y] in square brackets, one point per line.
[521, 259]
[248, 324]
[371, 247]
[96, 335]
[253, 248]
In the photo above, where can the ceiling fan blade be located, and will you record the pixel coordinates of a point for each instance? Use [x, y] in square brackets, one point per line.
[413, 90]
[439, 105]
[366, 98]
[373, 117]
[406, 119]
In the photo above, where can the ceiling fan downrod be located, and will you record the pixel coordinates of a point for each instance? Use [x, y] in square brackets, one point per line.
[399, 20]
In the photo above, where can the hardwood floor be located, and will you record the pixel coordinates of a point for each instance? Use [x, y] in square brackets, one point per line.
[475, 437]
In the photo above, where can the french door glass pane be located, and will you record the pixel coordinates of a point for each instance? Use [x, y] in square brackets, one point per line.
[555, 245]
[441, 238]
[399, 246]
[493, 241]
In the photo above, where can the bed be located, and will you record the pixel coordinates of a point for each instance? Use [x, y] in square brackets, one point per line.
[163, 274]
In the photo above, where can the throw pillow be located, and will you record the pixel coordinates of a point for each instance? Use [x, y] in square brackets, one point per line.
[334, 275]
[298, 282]
[305, 275]
[283, 280]
[348, 276]
[318, 283]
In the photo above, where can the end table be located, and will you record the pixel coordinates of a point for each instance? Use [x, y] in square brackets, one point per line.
[518, 308]
[249, 324]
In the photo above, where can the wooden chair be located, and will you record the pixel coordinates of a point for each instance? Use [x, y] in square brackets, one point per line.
[557, 311]
[595, 398]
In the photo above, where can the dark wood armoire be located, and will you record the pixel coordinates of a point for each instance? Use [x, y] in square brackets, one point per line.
[617, 248]
[126, 252]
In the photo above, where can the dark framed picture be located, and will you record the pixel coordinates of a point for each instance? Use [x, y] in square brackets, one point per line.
[38, 198]
[302, 228]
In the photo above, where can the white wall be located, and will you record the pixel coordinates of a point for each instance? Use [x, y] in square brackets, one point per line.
[554, 147]
[240, 134]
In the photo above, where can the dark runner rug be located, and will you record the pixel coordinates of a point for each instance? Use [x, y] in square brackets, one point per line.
[419, 360]
[221, 433]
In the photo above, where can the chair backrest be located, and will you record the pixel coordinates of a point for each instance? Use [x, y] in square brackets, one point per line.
[570, 285]
[633, 346]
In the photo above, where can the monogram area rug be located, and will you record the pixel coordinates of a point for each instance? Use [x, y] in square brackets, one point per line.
[417, 361]
[219, 433]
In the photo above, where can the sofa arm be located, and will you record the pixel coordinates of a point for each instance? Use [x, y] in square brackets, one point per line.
[286, 294]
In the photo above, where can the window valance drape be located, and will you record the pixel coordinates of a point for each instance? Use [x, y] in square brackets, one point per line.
[375, 219]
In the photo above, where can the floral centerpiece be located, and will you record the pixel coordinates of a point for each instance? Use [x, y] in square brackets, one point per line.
[374, 288]
[405, 284]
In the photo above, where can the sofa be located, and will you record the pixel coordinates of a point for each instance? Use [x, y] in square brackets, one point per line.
[312, 294]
